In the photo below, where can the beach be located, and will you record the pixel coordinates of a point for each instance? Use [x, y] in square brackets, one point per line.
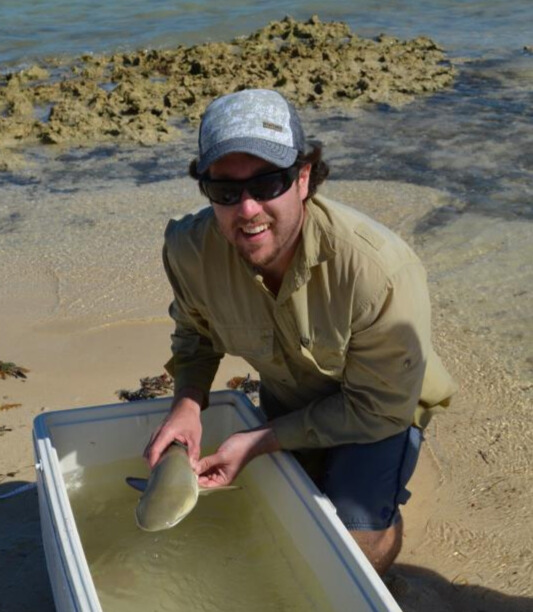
[84, 298]
[467, 537]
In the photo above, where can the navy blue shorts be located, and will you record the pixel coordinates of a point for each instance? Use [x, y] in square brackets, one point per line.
[365, 482]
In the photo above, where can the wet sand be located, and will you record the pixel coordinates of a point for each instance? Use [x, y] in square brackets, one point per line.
[85, 311]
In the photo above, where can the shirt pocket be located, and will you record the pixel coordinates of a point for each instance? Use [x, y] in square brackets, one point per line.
[251, 343]
[328, 356]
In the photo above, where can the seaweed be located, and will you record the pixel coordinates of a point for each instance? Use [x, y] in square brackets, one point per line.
[247, 385]
[8, 368]
[9, 406]
[151, 387]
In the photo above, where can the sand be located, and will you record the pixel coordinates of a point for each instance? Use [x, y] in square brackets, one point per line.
[88, 326]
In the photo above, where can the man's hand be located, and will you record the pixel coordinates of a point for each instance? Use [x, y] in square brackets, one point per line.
[221, 468]
[182, 424]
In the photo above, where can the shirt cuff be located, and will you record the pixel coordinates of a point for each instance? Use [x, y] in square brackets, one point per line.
[291, 434]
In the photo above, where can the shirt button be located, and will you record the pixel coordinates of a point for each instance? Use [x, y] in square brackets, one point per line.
[312, 438]
[305, 342]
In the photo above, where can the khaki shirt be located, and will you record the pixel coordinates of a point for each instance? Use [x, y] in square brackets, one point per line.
[345, 345]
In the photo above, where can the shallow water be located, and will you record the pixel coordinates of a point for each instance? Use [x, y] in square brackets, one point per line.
[231, 553]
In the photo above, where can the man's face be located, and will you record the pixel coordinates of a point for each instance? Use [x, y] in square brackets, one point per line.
[265, 233]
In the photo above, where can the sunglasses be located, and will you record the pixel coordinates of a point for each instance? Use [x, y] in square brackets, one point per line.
[262, 187]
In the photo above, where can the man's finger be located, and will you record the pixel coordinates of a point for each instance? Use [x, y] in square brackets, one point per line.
[194, 451]
[151, 441]
[206, 463]
[207, 482]
[157, 447]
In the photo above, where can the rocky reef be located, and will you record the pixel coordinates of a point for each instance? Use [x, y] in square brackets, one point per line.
[136, 96]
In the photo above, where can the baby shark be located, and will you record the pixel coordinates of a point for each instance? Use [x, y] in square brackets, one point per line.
[170, 493]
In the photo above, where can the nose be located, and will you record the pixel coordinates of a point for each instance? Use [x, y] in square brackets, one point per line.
[248, 207]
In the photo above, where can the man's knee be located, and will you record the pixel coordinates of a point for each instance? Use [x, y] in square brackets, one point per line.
[380, 547]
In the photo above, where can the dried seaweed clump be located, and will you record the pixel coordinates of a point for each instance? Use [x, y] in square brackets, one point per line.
[150, 388]
[8, 407]
[247, 385]
[8, 368]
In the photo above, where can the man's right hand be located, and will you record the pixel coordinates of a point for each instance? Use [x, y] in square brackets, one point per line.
[182, 424]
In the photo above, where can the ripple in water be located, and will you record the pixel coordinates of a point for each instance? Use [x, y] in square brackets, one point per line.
[231, 553]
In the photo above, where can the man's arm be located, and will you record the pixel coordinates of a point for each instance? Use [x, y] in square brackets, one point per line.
[193, 365]
[385, 366]
[194, 361]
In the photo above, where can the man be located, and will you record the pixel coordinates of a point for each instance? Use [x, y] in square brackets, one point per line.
[330, 308]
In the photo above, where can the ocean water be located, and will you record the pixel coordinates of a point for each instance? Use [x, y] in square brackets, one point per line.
[472, 142]
[32, 29]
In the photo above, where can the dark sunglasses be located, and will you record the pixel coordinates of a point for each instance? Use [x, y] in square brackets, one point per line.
[262, 187]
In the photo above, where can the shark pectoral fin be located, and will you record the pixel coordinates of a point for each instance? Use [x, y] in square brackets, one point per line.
[209, 490]
[139, 484]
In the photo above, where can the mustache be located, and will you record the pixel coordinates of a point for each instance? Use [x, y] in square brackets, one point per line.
[258, 220]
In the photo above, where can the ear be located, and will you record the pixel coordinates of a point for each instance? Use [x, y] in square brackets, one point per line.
[303, 181]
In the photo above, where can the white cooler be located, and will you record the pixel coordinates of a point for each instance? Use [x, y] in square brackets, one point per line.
[69, 439]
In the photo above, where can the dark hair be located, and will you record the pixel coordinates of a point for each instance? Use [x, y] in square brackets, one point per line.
[319, 168]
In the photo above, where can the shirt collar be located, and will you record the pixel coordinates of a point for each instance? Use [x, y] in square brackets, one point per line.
[314, 249]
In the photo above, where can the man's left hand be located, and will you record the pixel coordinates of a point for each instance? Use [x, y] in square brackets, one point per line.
[221, 468]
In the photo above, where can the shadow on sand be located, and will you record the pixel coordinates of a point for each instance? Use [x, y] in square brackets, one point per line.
[417, 590]
[24, 584]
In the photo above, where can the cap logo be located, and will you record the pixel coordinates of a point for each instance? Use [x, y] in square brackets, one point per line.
[272, 126]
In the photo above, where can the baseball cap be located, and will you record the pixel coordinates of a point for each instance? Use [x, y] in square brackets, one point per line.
[260, 122]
